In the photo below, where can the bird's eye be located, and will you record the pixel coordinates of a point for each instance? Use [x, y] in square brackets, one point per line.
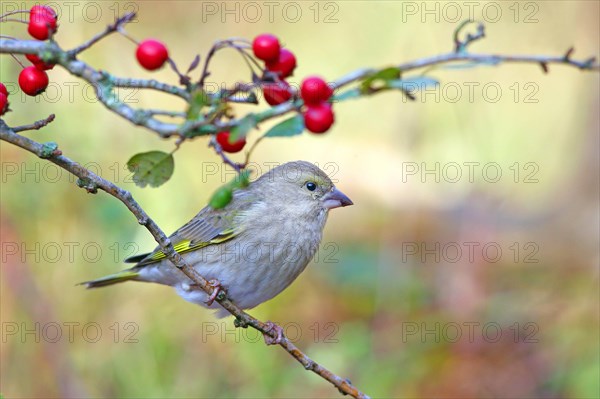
[311, 186]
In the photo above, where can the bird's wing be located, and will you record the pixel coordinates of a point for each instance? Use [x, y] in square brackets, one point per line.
[207, 228]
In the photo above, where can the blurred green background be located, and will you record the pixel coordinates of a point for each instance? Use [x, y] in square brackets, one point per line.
[444, 280]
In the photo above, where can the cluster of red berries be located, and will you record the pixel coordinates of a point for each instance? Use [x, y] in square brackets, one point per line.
[279, 61]
[318, 116]
[33, 80]
[315, 92]
[152, 54]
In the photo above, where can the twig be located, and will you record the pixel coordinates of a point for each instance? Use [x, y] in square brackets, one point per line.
[173, 114]
[104, 82]
[219, 150]
[90, 181]
[14, 20]
[116, 26]
[484, 59]
[149, 84]
[216, 47]
[461, 45]
[35, 125]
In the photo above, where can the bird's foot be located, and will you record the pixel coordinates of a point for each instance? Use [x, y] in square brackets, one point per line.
[269, 340]
[216, 284]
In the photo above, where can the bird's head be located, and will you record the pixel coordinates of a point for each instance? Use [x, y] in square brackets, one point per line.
[304, 186]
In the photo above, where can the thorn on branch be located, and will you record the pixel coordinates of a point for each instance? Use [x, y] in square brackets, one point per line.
[544, 66]
[569, 53]
[194, 64]
[408, 94]
[125, 19]
[183, 79]
[589, 63]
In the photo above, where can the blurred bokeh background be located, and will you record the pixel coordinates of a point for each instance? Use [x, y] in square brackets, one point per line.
[468, 266]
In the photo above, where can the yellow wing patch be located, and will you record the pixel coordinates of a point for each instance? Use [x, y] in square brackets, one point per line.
[189, 245]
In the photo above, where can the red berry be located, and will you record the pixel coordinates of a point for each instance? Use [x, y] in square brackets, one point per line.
[41, 30]
[45, 11]
[42, 22]
[3, 89]
[314, 90]
[38, 63]
[319, 118]
[151, 54]
[223, 140]
[3, 103]
[33, 81]
[266, 47]
[285, 64]
[277, 93]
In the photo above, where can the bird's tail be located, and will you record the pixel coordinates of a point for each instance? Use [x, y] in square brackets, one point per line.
[120, 277]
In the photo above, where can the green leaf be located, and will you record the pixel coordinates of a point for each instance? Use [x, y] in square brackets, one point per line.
[383, 76]
[224, 194]
[242, 180]
[153, 168]
[199, 100]
[240, 131]
[289, 127]
[221, 197]
[347, 95]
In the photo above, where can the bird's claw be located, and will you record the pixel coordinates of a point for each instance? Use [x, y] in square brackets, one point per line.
[269, 340]
[216, 290]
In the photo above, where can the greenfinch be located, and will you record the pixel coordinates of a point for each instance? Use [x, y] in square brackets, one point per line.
[254, 247]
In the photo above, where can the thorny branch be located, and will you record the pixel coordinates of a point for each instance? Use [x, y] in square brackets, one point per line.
[105, 83]
[91, 182]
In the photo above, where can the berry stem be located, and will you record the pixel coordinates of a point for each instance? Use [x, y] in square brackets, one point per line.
[13, 13]
[16, 59]
[128, 37]
[15, 20]
[251, 150]
[117, 26]
[221, 44]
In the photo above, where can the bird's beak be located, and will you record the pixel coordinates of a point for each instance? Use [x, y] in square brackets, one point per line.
[335, 198]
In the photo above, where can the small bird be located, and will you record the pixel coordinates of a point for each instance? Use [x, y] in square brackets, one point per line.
[254, 247]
